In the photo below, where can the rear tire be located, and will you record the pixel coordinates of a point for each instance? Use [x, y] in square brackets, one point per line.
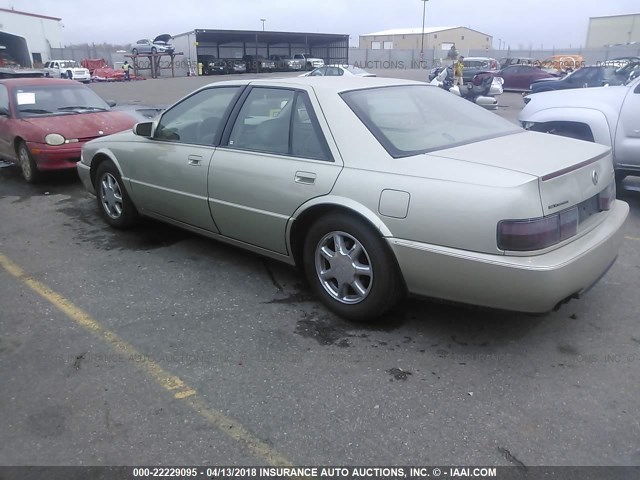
[28, 166]
[114, 203]
[350, 268]
[134, 51]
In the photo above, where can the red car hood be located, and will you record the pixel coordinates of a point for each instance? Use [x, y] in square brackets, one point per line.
[84, 126]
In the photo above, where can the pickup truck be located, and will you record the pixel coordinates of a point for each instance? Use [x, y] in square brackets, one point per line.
[309, 62]
[606, 115]
[67, 69]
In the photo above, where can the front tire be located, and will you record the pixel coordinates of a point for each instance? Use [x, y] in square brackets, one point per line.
[350, 268]
[114, 203]
[28, 166]
[134, 51]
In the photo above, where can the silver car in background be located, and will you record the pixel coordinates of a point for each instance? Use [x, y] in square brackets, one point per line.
[160, 44]
[375, 188]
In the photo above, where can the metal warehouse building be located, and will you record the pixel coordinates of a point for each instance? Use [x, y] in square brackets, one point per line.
[29, 37]
[613, 30]
[439, 38]
[230, 44]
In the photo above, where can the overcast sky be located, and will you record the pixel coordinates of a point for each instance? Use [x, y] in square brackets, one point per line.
[559, 23]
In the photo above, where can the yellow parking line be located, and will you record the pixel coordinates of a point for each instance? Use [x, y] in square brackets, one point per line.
[628, 237]
[166, 380]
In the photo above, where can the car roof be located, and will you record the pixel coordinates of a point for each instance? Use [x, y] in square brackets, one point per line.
[326, 84]
[36, 82]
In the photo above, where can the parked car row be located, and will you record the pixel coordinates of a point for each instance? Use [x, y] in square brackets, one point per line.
[255, 63]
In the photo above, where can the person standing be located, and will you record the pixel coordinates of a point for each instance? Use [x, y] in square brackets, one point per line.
[458, 68]
[127, 71]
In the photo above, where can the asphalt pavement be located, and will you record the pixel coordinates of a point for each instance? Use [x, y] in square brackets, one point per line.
[158, 346]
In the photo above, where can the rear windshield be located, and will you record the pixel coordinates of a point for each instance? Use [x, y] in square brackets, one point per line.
[412, 119]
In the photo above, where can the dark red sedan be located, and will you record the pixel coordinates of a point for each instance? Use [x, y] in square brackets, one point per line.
[520, 77]
[44, 122]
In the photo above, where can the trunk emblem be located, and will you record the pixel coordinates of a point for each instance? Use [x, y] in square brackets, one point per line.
[100, 132]
[594, 177]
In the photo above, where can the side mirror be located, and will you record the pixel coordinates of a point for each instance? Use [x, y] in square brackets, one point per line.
[144, 129]
[111, 103]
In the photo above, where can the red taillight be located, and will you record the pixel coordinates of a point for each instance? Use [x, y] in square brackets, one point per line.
[607, 197]
[537, 233]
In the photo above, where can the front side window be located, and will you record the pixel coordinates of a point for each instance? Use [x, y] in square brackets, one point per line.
[413, 119]
[198, 119]
[281, 122]
[263, 122]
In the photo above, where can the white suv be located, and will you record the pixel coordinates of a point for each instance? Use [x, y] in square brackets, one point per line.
[66, 69]
[309, 62]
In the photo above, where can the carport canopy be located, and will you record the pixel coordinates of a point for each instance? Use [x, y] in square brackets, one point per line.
[333, 48]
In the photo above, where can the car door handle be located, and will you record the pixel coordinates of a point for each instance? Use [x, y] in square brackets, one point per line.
[305, 178]
[195, 160]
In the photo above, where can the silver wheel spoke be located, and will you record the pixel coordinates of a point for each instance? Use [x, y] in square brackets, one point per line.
[327, 253]
[359, 288]
[362, 270]
[343, 288]
[355, 251]
[339, 242]
[326, 275]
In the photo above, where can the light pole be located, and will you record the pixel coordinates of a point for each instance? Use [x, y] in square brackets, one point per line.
[424, 11]
[263, 20]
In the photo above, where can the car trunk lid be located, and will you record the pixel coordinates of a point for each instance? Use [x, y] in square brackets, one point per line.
[569, 171]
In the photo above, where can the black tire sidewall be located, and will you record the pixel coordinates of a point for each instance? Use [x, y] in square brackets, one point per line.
[129, 214]
[386, 286]
[35, 174]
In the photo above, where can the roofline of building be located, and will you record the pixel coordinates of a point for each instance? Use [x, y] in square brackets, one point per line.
[37, 15]
[257, 32]
[443, 29]
[617, 15]
[268, 32]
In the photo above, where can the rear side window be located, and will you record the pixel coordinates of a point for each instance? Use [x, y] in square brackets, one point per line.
[280, 122]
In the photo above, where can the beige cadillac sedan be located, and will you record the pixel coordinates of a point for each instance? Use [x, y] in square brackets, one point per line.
[375, 187]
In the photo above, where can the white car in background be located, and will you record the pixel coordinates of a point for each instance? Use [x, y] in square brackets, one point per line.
[609, 116]
[338, 71]
[67, 69]
[308, 62]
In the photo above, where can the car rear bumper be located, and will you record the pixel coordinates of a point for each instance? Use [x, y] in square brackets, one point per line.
[55, 157]
[533, 284]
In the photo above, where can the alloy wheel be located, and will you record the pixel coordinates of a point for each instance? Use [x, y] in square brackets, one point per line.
[343, 267]
[111, 196]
